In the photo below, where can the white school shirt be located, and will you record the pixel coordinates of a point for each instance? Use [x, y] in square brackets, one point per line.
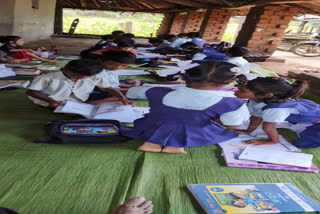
[273, 115]
[60, 88]
[238, 61]
[194, 99]
[111, 77]
[199, 56]
[176, 43]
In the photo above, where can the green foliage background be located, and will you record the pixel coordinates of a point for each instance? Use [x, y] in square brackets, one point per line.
[104, 22]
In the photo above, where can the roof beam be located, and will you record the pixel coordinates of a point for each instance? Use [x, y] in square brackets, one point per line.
[83, 3]
[95, 2]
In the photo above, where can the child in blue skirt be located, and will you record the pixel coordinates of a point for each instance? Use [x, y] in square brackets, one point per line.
[190, 116]
[274, 100]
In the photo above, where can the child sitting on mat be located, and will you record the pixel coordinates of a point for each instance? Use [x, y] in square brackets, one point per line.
[198, 54]
[236, 55]
[117, 60]
[274, 100]
[74, 82]
[123, 44]
[190, 116]
[13, 47]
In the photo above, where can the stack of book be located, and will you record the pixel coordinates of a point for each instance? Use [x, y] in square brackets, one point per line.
[238, 154]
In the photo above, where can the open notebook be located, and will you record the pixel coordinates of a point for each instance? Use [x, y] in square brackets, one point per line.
[14, 83]
[119, 112]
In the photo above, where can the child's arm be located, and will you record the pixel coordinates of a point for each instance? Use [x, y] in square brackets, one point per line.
[36, 94]
[254, 123]
[270, 129]
[117, 93]
[97, 52]
[39, 58]
[17, 50]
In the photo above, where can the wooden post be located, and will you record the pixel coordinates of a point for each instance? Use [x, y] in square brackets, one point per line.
[301, 27]
[58, 21]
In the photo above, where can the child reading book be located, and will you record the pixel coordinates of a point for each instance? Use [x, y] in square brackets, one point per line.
[275, 100]
[117, 60]
[123, 44]
[199, 54]
[13, 47]
[74, 82]
[184, 117]
[106, 41]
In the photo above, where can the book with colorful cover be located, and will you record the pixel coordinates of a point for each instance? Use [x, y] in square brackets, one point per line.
[231, 157]
[252, 198]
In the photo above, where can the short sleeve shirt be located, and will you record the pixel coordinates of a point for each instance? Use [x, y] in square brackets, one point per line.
[112, 77]
[60, 88]
[273, 115]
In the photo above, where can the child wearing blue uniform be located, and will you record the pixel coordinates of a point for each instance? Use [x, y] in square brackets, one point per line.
[199, 54]
[274, 100]
[190, 116]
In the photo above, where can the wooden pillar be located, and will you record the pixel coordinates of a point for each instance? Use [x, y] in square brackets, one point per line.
[58, 21]
[166, 24]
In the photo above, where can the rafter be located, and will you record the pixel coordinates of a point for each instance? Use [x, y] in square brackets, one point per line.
[95, 2]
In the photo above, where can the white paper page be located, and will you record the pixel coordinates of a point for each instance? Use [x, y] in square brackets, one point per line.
[149, 55]
[122, 113]
[145, 48]
[132, 72]
[277, 157]
[236, 143]
[83, 109]
[6, 72]
[19, 66]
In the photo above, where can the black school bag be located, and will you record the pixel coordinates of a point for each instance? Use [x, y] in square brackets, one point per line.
[83, 131]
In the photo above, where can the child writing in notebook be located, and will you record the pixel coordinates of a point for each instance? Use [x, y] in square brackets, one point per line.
[74, 82]
[185, 117]
[272, 101]
[13, 47]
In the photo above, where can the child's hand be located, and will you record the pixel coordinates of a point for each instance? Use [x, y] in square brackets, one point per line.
[55, 104]
[153, 72]
[259, 142]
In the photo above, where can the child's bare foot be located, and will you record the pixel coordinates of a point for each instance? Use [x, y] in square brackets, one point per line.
[174, 150]
[137, 205]
[150, 147]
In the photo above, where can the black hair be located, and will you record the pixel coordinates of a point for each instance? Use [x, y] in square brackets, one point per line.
[170, 36]
[213, 72]
[124, 57]
[238, 51]
[182, 34]
[128, 35]
[124, 42]
[197, 34]
[233, 203]
[117, 33]
[162, 36]
[191, 34]
[281, 89]
[108, 36]
[155, 40]
[8, 39]
[189, 45]
[85, 67]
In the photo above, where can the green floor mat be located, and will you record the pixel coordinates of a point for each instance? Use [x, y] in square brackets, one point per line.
[94, 179]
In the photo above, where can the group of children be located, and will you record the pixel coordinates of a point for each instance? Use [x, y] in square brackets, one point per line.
[193, 115]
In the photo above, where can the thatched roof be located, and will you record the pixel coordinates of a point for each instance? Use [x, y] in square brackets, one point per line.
[312, 6]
